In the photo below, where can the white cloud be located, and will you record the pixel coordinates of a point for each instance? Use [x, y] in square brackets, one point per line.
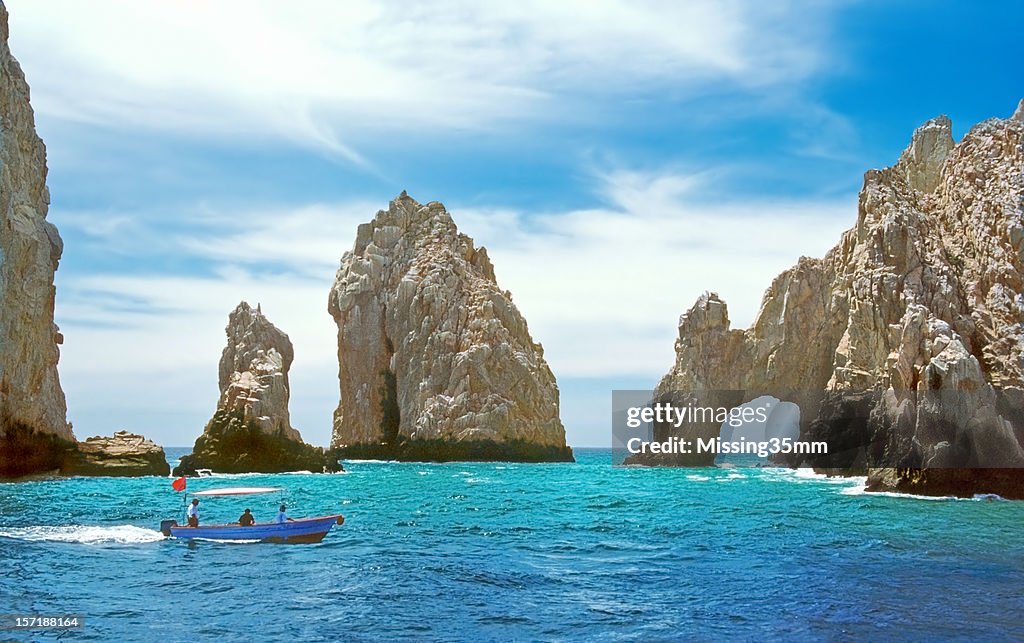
[322, 74]
[306, 240]
[601, 288]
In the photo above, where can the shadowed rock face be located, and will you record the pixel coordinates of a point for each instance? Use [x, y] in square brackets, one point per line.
[905, 343]
[436, 362]
[32, 403]
[251, 431]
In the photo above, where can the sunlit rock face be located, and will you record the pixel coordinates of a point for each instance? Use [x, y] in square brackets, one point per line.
[253, 372]
[904, 345]
[34, 432]
[436, 362]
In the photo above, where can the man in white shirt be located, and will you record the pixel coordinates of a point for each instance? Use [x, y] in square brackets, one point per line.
[282, 516]
[193, 513]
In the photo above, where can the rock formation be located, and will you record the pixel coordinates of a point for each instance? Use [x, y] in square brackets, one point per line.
[34, 433]
[124, 454]
[253, 373]
[250, 430]
[904, 345]
[436, 362]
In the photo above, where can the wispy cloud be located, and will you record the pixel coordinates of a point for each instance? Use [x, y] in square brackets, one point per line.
[306, 240]
[328, 74]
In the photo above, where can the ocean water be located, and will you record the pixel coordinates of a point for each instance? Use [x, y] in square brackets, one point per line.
[494, 551]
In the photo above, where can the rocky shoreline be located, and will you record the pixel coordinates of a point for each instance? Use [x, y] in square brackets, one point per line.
[27, 453]
[959, 483]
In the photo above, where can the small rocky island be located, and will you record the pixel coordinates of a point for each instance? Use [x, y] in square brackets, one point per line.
[904, 345]
[124, 454]
[251, 430]
[436, 362]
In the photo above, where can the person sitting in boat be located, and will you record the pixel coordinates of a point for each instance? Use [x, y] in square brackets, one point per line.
[246, 519]
[193, 513]
[282, 516]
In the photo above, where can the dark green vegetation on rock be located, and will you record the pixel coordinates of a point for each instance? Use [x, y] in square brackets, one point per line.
[467, 451]
[25, 451]
[231, 444]
[962, 483]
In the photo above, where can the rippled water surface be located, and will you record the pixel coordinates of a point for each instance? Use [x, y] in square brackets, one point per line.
[495, 551]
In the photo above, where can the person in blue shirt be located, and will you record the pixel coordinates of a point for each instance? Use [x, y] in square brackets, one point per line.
[282, 516]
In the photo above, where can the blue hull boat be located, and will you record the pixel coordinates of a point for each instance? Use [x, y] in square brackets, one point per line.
[305, 530]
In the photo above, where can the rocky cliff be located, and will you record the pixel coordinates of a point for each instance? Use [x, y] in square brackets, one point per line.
[904, 345]
[250, 430]
[436, 362]
[34, 433]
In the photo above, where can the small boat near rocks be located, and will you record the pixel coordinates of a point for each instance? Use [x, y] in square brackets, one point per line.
[292, 531]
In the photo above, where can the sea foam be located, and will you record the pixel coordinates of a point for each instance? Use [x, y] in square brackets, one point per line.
[86, 534]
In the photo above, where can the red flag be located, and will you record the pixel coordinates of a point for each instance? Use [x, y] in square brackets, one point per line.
[179, 484]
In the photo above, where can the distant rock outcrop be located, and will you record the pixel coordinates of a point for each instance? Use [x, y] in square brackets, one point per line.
[34, 432]
[123, 454]
[904, 345]
[436, 362]
[251, 430]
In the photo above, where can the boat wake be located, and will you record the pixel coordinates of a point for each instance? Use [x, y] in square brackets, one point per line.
[86, 534]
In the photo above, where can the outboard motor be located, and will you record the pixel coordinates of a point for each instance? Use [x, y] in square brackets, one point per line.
[165, 526]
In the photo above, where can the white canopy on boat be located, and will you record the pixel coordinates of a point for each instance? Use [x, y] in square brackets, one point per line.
[236, 491]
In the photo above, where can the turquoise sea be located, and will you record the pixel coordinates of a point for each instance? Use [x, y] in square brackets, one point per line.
[494, 551]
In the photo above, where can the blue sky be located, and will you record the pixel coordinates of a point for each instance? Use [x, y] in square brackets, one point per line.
[617, 159]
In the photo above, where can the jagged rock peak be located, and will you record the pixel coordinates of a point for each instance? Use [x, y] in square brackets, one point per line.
[253, 373]
[1018, 114]
[911, 325]
[251, 337]
[436, 362]
[922, 161]
[31, 399]
[709, 312]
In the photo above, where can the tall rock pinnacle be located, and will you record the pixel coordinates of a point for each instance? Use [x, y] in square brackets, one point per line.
[250, 430]
[436, 362]
[253, 375]
[33, 413]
